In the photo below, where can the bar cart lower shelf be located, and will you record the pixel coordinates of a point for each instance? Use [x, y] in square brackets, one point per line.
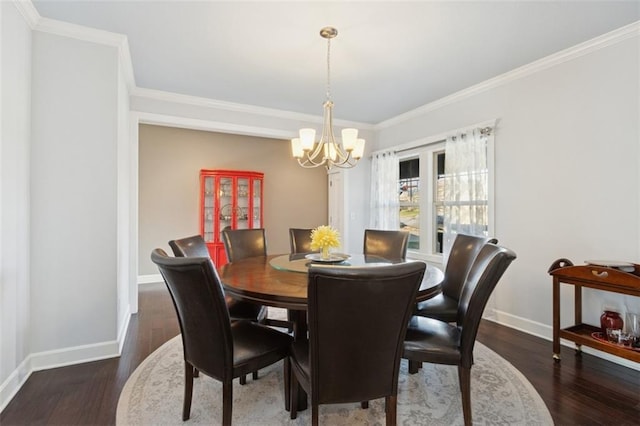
[582, 334]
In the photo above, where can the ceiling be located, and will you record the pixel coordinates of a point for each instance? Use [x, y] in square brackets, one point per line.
[389, 57]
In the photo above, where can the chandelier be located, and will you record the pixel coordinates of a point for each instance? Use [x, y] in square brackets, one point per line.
[327, 151]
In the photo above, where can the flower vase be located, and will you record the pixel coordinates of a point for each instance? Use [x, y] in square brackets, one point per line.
[325, 253]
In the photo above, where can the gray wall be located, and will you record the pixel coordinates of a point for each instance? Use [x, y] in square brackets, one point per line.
[566, 174]
[170, 160]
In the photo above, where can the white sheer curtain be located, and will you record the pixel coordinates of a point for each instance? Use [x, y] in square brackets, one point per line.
[466, 186]
[385, 205]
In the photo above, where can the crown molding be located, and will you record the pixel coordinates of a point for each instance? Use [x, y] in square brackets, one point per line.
[38, 23]
[208, 125]
[28, 11]
[178, 98]
[595, 44]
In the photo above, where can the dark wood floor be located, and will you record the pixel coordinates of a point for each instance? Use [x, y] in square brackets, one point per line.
[580, 390]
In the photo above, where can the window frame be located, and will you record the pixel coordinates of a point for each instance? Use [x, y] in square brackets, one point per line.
[425, 149]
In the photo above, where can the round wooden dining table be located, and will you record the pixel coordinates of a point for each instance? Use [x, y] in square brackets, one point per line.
[281, 280]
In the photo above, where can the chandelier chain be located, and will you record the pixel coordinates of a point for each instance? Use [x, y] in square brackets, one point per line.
[328, 69]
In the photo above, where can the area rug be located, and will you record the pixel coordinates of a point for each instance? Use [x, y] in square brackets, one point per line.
[501, 395]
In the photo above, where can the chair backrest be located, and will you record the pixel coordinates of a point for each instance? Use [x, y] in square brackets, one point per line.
[485, 273]
[189, 247]
[464, 250]
[388, 244]
[357, 323]
[198, 298]
[242, 243]
[300, 240]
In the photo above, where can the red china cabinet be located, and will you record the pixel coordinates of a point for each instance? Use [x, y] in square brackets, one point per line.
[229, 199]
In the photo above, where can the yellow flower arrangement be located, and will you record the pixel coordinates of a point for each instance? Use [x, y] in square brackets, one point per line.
[323, 238]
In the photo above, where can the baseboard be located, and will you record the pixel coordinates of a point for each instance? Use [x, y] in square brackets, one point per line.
[14, 382]
[122, 333]
[150, 279]
[74, 355]
[545, 332]
[54, 359]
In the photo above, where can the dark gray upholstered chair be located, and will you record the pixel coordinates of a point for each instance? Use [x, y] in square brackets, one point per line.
[391, 245]
[242, 243]
[441, 342]
[464, 250]
[357, 321]
[212, 343]
[300, 240]
[195, 246]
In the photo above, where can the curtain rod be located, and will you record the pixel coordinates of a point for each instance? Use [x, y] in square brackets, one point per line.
[485, 127]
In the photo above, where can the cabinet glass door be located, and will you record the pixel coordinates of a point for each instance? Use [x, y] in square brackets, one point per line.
[242, 209]
[209, 208]
[225, 213]
[257, 203]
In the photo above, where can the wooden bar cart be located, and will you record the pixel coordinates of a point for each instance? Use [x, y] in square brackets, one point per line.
[614, 280]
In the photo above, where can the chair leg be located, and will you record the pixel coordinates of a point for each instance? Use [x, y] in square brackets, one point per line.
[464, 377]
[188, 390]
[286, 372]
[227, 401]
[390, 407]
[243, 380]
[196, 373]
[293, 400]
[314, 413]
[414, 366]
[364, 405]
[255, 375]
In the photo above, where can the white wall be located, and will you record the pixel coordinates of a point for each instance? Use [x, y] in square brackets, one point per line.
[73, 258]
[15, 90]
[566, 178]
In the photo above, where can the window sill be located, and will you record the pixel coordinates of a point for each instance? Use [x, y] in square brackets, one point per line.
[435, 259]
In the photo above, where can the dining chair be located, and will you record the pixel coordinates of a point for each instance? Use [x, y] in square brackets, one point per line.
[463, 253]
[300, 240]
[388, 244]
[212, 343]
[195, 246]
[242, 243]
[440, 342]
[357, 322]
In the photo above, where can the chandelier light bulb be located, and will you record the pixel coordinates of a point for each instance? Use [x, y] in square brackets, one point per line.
[296, 148]
[349, 137]
[307, 138]
[358, 151]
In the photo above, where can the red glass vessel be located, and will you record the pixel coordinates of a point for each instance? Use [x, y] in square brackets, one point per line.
[610, 319]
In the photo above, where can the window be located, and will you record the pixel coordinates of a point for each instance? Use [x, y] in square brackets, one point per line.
[421, 197]
[429, 199]
[409, 200]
